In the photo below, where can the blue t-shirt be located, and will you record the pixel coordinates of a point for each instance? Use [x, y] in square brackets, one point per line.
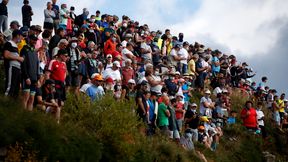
[231, 120]
[185, 88]
[151, 110]
[215, 68]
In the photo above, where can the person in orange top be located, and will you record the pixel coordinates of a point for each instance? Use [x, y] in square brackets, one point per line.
[110, 45]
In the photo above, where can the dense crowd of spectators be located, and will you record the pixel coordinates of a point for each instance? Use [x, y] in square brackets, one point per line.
[98, 54]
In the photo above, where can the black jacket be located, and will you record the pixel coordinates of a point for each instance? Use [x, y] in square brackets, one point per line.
[30, 65]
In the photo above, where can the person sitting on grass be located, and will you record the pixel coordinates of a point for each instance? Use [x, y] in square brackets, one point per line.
[44, 99]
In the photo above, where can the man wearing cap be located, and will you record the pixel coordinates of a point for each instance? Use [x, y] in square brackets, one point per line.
[30, 72]
[26, 13]
[12, 64]
[174, 59]
[206, 104]
[146, 51]
[3, 16]
[127, 53]
[73, 64]
[153, 111]
[183, 55]
[191, 120]
[140, 100]
[14, 25]
[57, 71]
[179, 110]
[95, 91]
[201, 73]
[216, 62]
[129, 91]
[127, 72]
[113, 72]
[60, 34]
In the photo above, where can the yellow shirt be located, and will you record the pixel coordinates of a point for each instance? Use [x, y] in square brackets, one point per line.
[21, 45]
[191, 67]
[281, 105]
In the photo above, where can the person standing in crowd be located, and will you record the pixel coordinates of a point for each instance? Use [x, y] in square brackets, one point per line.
[173, 126]
[57, 71]
[3, 16]
[191, 120]
[154, 81]
[27, 14]
[127, 72]
[56, 19]
[60, 34]
[49, 15]
[275, 109]
[281, 105]
[110, 45]
[12, 64]
[141, 105]
[260, 119]
[72, 78]
[30, 72]
[249, 116]
[179, 110]
[216, 62]
[163, 115]
[64, 15]
[183, 54]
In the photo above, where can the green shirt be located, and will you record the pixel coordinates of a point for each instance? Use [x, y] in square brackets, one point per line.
[162, 117]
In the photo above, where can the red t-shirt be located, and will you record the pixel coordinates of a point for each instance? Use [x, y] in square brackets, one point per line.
[58, 70]
[109, 47]
[251, 120]
[127, 73]
[179, 106]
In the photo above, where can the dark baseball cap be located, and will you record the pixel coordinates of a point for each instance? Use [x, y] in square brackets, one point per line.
[33, 37]
[16, 32]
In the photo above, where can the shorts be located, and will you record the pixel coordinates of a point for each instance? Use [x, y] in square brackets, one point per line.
[73, 79]
[30, 88]
[60, 91]
[48, 25]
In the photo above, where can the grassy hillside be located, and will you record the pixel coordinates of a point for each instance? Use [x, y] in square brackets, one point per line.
[109, 131]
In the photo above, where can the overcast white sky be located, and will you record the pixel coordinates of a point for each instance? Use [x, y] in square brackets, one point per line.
[255, 31]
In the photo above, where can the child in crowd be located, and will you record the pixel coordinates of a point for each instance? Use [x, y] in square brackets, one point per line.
[260, 119]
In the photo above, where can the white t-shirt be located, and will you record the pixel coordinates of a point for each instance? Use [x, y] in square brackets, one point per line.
[85, 87]
[146, 47]
[205, 64]
[183, 53]
[125, 52]
[124, 43]
[114, 74]
[172, 54]
[158, 87]
[202, 107]
[260, 114]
